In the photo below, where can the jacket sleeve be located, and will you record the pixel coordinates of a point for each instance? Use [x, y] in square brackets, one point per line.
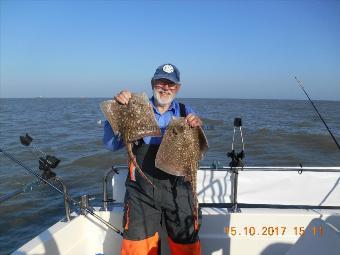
[110, 140]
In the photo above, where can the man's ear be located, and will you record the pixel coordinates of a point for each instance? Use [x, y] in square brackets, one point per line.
[178, 88]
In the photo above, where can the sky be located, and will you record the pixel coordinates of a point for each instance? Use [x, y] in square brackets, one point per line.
[223, 49]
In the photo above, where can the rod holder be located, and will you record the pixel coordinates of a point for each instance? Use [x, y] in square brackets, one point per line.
[84, 203]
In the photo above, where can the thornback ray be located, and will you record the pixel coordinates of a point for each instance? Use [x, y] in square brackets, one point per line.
[132, 122]
[180, 151]
[181, 147]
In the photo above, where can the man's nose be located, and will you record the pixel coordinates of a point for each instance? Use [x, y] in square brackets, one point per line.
[166, 86]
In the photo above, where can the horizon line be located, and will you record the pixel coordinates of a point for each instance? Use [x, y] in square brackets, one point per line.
[229, 98]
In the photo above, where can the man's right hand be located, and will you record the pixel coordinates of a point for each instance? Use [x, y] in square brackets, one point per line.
[123, 97]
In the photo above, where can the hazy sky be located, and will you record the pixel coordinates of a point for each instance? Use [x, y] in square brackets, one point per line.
[225, 49]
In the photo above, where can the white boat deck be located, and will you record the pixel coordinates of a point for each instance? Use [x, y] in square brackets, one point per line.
[258, 231]
[252, 231]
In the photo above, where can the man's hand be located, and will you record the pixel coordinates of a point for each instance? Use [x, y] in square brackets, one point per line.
[123, 97]
[193, 120]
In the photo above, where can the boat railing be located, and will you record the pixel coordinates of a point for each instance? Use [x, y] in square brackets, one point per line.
[66, 202]
[234, 171]
[112, 171]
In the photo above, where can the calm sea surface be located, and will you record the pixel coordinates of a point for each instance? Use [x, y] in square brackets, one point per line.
[276, 132]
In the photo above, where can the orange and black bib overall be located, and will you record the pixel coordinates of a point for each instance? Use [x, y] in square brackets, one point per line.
[144, 207]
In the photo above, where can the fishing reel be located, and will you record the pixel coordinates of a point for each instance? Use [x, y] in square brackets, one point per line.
[46, 162]
[237, 158]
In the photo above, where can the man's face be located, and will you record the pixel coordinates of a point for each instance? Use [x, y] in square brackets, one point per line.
[164, 91]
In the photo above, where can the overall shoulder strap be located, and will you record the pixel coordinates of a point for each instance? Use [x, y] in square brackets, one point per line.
[182, 111]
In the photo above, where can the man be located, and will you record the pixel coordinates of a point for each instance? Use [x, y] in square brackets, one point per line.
[173, 198]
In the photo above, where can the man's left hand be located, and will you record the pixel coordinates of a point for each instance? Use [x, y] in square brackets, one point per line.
[193, 120]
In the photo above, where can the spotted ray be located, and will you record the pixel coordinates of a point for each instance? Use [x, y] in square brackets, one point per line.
[132, 122]
[180, 151]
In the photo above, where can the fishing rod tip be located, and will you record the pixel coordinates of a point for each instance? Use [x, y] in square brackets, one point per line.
[298, 81]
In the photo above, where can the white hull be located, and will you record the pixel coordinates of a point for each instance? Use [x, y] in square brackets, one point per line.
[87, 236]
[250, 231]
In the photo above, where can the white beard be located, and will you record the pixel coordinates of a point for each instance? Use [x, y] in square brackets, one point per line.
[163, 101]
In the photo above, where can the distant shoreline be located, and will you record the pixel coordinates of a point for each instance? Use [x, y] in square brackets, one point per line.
[180, 98]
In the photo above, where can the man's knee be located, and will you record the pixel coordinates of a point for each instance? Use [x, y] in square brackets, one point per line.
[184, 232]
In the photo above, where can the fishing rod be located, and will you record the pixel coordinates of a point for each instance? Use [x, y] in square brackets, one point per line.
[324, 122]
[44, 180]
[49, 174]
[26, 188]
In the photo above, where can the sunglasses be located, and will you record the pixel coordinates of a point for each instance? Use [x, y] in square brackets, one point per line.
[163, 83]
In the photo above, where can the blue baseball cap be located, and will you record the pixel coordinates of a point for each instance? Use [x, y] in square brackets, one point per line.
[167, 71]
